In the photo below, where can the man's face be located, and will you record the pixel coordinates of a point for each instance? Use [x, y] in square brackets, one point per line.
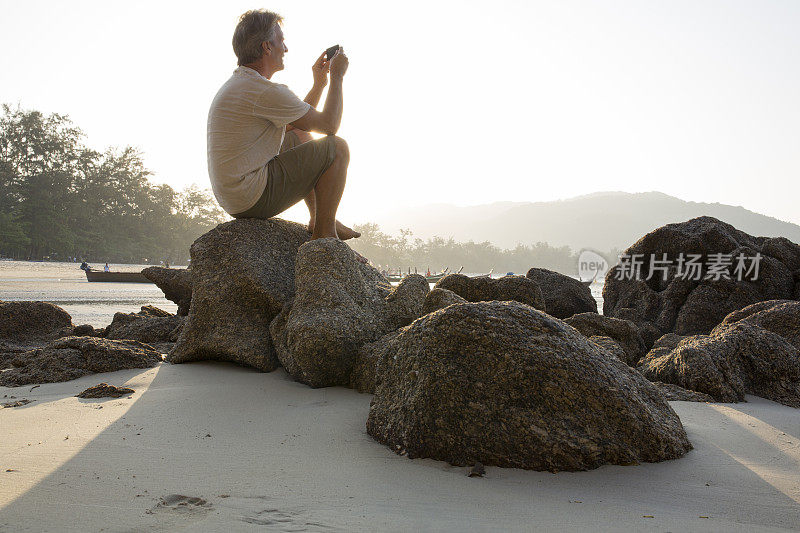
[277, 48]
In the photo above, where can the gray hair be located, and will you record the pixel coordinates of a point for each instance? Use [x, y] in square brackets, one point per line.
[254, 27]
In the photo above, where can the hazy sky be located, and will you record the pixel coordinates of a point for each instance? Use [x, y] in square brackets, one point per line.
[458, 102]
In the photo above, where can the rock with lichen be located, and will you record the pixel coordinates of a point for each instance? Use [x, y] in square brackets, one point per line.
[504, 384]
[339, 305]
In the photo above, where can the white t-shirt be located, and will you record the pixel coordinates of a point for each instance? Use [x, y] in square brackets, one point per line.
[246, 125]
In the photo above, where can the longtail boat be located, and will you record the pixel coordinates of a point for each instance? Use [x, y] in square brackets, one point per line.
[123, 277]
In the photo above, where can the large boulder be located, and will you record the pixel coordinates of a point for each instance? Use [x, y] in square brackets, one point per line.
[484, 289]
[339, 305]
[504, 384]
[176, 284]
[737, 358]
[624, 332]
[685, 305]
[72, 357]
[242, 275]
[159, 329]
[563, 296]
[31, 322]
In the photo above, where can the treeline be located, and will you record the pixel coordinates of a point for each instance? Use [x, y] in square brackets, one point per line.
[60, 199]
[405, 251]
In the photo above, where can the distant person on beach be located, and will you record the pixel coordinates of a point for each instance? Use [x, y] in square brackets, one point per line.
[261, 158]
[106, 268]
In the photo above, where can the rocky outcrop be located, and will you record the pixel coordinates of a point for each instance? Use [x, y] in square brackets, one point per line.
[30, 322]
[150, 325]
[484, 289]
[563, 296]
[440, 298]
[72, 357]
[176, 283]
[684, 305]
[242, 275]
[501, 383]
[339, 305]
[735, 359]
[624, 332]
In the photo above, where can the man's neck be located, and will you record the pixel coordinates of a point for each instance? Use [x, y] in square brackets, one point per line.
[261, 68]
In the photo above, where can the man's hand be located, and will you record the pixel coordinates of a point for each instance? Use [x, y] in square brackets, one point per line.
[339, 64]
[320, 71]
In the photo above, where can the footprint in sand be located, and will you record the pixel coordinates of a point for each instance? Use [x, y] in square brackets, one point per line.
[182, 504]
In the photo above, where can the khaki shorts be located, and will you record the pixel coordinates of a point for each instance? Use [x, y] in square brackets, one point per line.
[292, 174]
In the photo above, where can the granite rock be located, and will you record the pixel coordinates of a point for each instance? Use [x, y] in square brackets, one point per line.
[484, 289]
[504, 384]
[242, 275]
[72, 357]
[104, 390]
[612, 347]
[674, 393]
[24, 322]
[563, 296]
[625, 332]
[439, 298]
[176, 283]
[688, 306]
[159, 329]
[738, 358]
[339, 305]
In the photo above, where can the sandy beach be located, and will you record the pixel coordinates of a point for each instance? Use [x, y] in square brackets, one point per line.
[266, 453]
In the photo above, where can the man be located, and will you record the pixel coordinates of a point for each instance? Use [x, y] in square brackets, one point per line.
[257, 169]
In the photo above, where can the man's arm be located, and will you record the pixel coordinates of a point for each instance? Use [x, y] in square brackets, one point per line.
[312, 98]
[314, 95]
[328, 120]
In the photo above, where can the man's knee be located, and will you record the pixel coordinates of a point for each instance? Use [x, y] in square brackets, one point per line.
[342, 150]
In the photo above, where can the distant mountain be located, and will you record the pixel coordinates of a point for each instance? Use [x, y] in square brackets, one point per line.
[602, 220]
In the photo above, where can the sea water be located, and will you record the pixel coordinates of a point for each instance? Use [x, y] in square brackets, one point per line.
[65, 285]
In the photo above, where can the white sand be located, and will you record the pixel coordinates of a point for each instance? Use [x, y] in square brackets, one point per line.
[296, 459]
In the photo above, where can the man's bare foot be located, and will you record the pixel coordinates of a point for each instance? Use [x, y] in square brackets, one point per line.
[346, 233]
[342, 231]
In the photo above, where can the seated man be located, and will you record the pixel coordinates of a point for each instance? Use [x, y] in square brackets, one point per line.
[257, 169]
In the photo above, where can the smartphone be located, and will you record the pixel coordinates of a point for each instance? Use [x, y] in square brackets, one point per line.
[329, 53]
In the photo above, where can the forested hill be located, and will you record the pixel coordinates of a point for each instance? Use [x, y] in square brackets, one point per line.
[602, 221]
[60, 199]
